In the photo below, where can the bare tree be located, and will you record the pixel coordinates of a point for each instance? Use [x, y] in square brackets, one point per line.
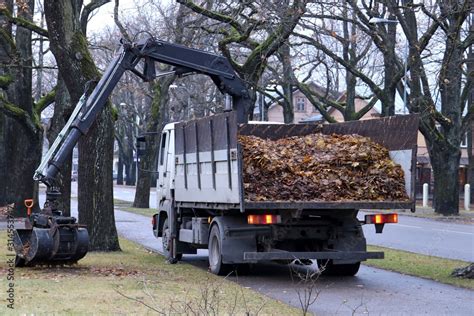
[21, 133]
[438, 41]
[67, 26]
[338, 42]
[443, 124]
[249, 33]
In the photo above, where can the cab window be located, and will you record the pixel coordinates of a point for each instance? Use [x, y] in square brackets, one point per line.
[163, 148]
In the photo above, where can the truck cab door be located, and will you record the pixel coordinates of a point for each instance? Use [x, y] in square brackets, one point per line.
[163, 172]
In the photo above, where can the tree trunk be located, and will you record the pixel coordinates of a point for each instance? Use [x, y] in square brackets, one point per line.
[288, 109]
[148, 162]
[266, 105]
[288, 115]
[22, 144]
[390, 69]
[445, 165]
[133, 172]
[128, 173]
[96, 208]
[470, 130]
[128, 162]
[348, 54]
[23, 155]
[5, 53]
[3, 160]
[120, 169]
[470, 157]
[445, 152]
[95, 196]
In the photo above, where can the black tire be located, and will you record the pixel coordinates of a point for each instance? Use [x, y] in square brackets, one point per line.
[328, 268]
[215, 253]
[165, 242]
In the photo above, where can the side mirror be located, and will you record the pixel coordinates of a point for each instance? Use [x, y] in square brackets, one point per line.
[141, 146]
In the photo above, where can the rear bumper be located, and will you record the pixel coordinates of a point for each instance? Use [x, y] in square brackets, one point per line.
[327, 255]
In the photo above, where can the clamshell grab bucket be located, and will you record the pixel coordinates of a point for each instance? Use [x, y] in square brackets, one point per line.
[50, 246]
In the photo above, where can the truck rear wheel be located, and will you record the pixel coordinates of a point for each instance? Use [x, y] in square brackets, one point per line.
[166, 243]
[328, 268]
[215, 253]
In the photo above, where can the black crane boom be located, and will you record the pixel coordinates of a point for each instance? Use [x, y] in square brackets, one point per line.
[51, 238]
[149, 51]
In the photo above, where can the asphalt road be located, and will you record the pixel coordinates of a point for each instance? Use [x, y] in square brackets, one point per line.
[426, 236]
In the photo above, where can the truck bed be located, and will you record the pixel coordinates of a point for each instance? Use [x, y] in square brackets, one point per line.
[209, 160]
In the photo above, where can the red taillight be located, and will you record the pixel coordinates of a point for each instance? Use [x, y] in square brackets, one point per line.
[381, 218]
[266, 219]
[153, 221]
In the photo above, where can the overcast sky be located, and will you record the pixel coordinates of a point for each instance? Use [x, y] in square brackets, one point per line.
[104, 16]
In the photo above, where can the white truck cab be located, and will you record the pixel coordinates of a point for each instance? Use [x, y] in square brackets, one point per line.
[166, 165]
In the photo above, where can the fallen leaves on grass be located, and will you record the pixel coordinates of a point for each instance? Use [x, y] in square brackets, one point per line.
[320, 167]
[57, 273]
[118, 272]
[6, 210]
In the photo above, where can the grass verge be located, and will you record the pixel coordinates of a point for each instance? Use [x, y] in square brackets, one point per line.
[428, 267]
[122, 282]
[127, 206]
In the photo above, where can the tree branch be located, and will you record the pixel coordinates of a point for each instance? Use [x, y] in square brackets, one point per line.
[212, 15]
[366, 108]
[19, 21]
[87, 10]
[348, 66]
[7, 42]
[5, 81]
[18, 114]
[304, 88]
[466, 93]
[469, 40]
[45, 101]
[276, 39]
[119, 24]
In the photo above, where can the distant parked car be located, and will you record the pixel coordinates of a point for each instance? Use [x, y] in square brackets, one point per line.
[74, 176]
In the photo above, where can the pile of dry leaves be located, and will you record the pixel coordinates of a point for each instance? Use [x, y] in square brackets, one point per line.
[320, 167]
[6, 210]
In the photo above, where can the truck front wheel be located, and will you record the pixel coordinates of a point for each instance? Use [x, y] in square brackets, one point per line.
[166, 243]
[328, 268]
[215, 252]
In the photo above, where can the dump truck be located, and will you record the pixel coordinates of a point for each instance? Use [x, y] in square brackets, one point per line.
[201, 197]
[202, 201]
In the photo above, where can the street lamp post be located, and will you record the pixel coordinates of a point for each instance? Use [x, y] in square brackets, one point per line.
[375, 20]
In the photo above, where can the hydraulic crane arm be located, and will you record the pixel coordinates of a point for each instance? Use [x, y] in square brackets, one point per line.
[149, 51]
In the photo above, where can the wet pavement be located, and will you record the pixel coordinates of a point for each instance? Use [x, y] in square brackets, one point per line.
[372, 291]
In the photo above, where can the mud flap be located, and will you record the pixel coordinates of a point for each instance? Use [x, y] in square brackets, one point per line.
[234, 245]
